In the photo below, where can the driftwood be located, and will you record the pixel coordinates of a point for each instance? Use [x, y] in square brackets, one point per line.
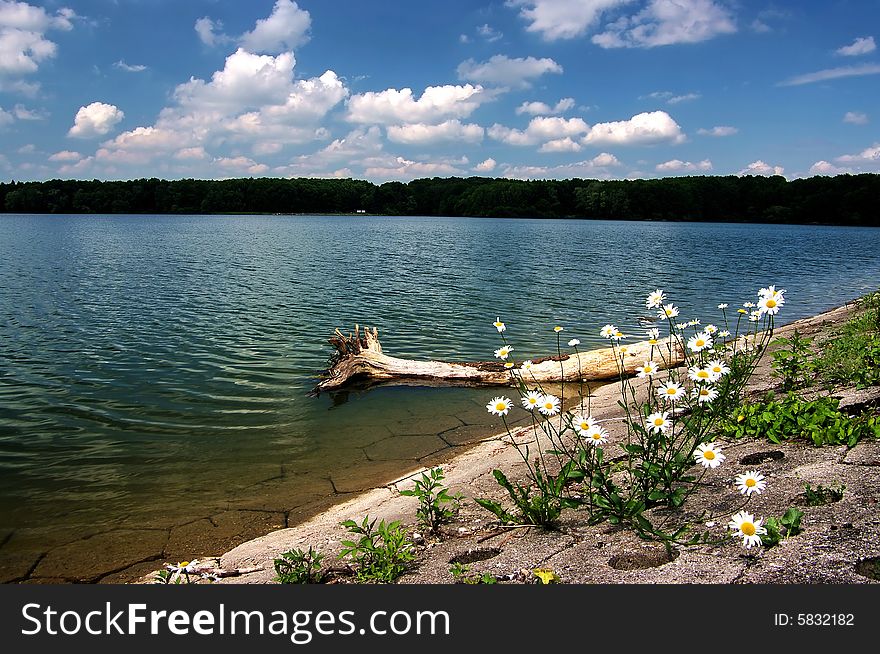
[358, 359]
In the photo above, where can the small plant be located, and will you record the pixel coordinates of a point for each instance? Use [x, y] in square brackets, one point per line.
[822, 495]
[180, 573]
[852, 357]
[538, 504]
[436, 505]
[460, 572]
[298, 567]
[778, 529]
[793, 361]
[382, 553]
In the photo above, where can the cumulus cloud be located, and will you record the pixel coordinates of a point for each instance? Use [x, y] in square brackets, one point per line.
[23, 42]
[718, 131]
[668, 22]
[489, 33]
[855, 118]
[868, 157]
[648, 128]
[240, 165]
[827, 168]
[541, 129]
[401, 168]
[832, 73]
[760, 168]
[96, 119]
[486, 166]
[501, 70]
[66, 155]
[437, 103]
[861, 46]
[129, 68]
[286, 28]
[679, 166]
[561, 145]
[563, 19]
[544, 109]
[599, 166]
[448, 131]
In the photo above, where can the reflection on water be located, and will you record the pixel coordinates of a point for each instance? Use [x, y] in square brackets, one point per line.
[155, 369]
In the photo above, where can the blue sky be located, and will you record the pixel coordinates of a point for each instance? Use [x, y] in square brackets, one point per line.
[397, 90]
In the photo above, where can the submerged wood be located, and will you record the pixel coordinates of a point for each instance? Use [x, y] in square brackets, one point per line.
[359, 359]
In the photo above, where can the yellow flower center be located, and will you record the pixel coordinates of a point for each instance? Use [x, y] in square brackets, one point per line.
[740, 418]
[659, 421]
[532, 400]
[653, 341]
[597, 436]
[700, 342]
[670, 391]
[548, 405]
[750, 482]
[703, 374]
[770, 303]
[500, 406]
[747, 528]
[709, 455]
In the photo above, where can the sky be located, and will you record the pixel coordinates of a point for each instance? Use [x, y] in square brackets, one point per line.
[403, 89]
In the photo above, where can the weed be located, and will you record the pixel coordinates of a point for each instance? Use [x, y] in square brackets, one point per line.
[298, 567]
[382, 553]
[436, 505]
[822, 495]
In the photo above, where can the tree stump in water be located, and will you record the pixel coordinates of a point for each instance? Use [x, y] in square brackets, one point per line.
[358, 358]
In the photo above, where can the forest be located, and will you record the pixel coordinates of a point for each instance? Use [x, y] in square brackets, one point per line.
[839, 200]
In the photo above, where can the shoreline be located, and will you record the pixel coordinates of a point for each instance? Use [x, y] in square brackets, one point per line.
[469, 472]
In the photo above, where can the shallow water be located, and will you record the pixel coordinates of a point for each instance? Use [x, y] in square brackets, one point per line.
[154, 370]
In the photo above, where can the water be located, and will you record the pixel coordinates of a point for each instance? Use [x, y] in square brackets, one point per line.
[154, 370]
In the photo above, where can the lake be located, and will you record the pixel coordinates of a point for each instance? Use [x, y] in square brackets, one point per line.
[155, 370]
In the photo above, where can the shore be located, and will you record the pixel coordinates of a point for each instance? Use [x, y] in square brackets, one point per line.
[838, 538]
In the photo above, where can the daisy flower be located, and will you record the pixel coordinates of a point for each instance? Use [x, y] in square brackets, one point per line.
[658, 422]
[698, 374]
[748, 305]
[681, 325]
[770, 304]
[771, 291]
[668, 311]
[755, 316]
[532, 400]
[574, 342]
[499, 406]
[655, 299]
[723, 306]
[750, 529]
[653, 334]
[671, 391]
[558, 329]
[508, 365]
[709, 455]
[500, 326]
[597, 435]
[549, 405]
[741, 311]
[711, 329]
[608, 331]
[693, 323]
[618, 335]
[723, 333]
[718, 368]
[583, 424]
[699, 342]
[751, 482]
[503, 352]
[526, 365]
[705, 394]
[647, 369]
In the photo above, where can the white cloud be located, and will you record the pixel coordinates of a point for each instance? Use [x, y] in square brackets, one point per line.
[544, 109]
[489, 33]
[827, 168]
[28, 148]
[855, 118]
[401, 168]
[718, 131]
[667, 22]
[561, 145]
[23, 42]
[436, 103]
[6, 117]
[832, 73]
[679, 166]
[240, 165]
[23, 113]
[861, 46]
[868, 157]
[191, 154]
[760, 168]
[540, 130]
[210, 32]
[671, 98]
[129, 68]
[66, 155]
[29, 89]
[501, 70]
[486, 166]
[286, 28]
[562, 19]
[96, 119]
[599, 166]
[642, 129]
[447, 131]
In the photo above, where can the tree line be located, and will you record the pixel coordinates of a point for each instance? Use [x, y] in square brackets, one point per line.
[840, 200]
